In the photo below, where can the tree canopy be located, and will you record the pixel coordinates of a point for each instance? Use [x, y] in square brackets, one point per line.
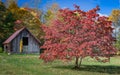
[78, 34]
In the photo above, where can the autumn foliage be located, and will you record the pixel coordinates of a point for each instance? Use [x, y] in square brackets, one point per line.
[78, 34]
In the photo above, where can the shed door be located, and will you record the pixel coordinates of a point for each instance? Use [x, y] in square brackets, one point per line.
[25, 44]
[25, 41]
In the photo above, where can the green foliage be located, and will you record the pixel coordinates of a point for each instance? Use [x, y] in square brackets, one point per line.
[2, 7]
[48, 15]
[117, 45]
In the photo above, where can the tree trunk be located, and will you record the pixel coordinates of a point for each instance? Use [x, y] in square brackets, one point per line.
[76, 63]
[80, 61]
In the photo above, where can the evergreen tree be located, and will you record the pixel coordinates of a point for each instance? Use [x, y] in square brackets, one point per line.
[6, 23]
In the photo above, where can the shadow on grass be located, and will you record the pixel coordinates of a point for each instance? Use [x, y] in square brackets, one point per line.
[95, 68]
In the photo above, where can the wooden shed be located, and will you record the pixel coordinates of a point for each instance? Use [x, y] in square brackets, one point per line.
[22, 41]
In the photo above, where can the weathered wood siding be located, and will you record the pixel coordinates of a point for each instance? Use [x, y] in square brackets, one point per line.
[33, 45]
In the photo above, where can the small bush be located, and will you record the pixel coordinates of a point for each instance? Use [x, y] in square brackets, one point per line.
[1, 50]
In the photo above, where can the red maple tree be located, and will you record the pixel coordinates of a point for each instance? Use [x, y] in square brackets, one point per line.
[78, 34]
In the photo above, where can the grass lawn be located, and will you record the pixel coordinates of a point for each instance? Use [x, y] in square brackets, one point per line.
[31, 65]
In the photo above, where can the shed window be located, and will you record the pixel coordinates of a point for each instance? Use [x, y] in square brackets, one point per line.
[6, 47]
[25, 41]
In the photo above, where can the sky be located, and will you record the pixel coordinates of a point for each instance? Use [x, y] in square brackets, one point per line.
[106, 6]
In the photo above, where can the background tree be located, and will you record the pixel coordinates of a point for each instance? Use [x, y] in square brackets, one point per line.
[8, 2]
[6, 23]
[32, 22]
[52, 10]
[117, 44]
[78, 34]
[115, 18]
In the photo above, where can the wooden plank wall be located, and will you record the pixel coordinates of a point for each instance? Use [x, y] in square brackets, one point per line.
[33, 45]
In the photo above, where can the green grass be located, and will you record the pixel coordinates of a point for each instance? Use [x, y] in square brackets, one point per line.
[1, 50]
[32, 65]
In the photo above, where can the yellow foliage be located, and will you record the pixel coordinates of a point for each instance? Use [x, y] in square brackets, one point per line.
[34, 13]
[118, 52]
[110, 18]
[22, 9]
[78, 14]
[114, 15]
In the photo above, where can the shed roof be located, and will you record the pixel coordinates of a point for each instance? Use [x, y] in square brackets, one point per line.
[17, 33]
